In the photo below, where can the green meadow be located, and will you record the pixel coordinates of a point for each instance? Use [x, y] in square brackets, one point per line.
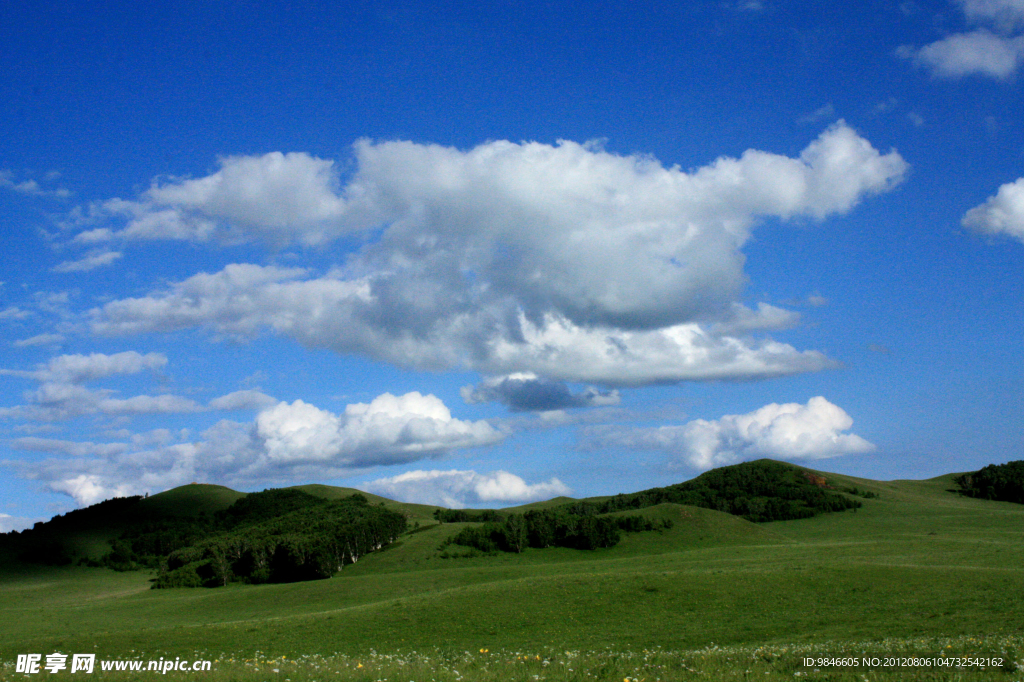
[918, 571]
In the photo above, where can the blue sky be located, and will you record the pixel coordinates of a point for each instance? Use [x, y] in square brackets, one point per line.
[486, 253]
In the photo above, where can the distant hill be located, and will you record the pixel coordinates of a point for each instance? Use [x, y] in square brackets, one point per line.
[759, 491]
[284, 535]
[185, 531]
[190, 500]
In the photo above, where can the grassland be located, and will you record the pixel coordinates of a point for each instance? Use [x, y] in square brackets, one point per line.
[918, 570]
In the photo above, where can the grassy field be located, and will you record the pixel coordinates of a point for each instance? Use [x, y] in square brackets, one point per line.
[919, 570]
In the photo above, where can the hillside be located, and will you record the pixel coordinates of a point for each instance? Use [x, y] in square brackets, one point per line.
[137, 532]
[917, 561]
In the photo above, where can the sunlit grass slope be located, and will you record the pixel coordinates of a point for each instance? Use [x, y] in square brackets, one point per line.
[919, 561]
[191, 500]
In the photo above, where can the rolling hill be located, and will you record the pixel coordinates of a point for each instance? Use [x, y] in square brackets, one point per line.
[914, 561]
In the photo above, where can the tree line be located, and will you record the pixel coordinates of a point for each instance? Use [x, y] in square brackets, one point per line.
[1003, 482]
[270, 536]
[308, 543]
[759, 491]
[562, 526]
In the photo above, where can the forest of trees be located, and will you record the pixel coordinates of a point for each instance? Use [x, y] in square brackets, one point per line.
[286, 535]
[270, 536]
[1003, 482]
[463, 515]
[759, 491]
[561, 526]
[274, 537]
[44, 542]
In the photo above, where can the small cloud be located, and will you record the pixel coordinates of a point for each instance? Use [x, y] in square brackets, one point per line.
[242, 400]
[915, 118]
[979, 52]
[13, 313]
[89, 489]
[823, 113]
[1005, 15]
[100, 234]
[878, 348]
[10, 523]
[994, 49]
[817, 300]
[749, 5]
[40, 340]
[526, 392]
[743, 319]
[885, 106]
[456, 489]
[791, 431]
[1002, 214]
[31, 187]
[61, 394]
[87, 263]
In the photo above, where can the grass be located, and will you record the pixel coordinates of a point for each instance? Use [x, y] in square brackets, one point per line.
[190, 500]
[918, 569]
[892, 659]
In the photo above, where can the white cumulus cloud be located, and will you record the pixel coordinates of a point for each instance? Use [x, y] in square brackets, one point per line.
[86, 489]
[388, 429]
[284, 444]
[790, 431]
[455, 489]
[1002, 214]
[562, 260]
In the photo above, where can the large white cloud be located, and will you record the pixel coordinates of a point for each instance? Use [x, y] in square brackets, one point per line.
[1002, 214]
[455, 489]
[791, 431]
[342, 315]
[566, 261]
[284, 444]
